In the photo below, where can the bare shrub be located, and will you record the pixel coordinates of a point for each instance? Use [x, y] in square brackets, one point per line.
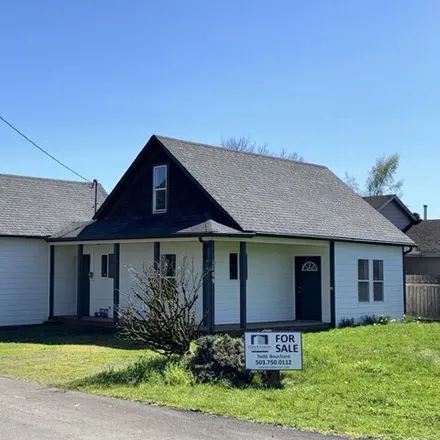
[161, 307]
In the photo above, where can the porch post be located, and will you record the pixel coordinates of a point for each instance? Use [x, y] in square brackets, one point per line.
[116, 252]
[156, 255]
[79, 267]
[208, 285]
[243, 288]
[51, 279]
[332, 285]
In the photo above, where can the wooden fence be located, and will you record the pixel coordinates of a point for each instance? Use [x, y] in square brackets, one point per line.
[423, 296]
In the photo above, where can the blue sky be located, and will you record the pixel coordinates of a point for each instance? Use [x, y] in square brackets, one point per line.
[341, 82]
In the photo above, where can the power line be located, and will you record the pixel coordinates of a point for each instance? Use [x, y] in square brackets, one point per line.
[43, 150]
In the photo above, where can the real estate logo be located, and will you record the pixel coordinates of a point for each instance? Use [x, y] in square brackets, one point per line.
[259, 344]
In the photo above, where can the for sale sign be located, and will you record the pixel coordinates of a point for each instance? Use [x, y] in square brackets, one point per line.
[273, 351]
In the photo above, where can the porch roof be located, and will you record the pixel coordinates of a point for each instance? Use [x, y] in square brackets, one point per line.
[140, 228]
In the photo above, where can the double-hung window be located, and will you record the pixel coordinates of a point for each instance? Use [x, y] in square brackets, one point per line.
[368, 283]
[363, 281]
[378, 280]
[160, 189]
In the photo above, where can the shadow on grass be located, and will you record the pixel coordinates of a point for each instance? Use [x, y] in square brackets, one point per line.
[65, 334]
[163, 371]
[159, 369]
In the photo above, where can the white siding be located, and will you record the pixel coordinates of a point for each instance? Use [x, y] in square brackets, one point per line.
[346, 280]
[192, 251]
[227, 292]
[101, 288]
[271, 280]
[24, 281]
[396, 215]
[134, 255]
[65, 279]
[140, 254]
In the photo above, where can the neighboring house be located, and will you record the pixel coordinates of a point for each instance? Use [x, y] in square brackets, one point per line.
[425, 258]
[288, 241]
[31, 209]
[392, 208]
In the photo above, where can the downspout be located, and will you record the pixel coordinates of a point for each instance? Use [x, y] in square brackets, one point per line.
[405, 252]
[408, 251]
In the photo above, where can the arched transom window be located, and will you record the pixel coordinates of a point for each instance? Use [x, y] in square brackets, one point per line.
[309, 266]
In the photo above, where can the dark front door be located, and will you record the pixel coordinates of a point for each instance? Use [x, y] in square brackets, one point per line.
[84, 286]
[308, 288]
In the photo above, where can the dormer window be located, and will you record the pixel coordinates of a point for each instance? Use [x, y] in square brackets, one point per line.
[160, 188]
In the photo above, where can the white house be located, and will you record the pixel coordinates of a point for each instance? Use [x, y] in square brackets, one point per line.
[289, 242]
[32, 209]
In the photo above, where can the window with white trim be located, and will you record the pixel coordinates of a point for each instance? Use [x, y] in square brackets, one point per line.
[378, 280]
[160, 189]
[367, 283]
[363, 281]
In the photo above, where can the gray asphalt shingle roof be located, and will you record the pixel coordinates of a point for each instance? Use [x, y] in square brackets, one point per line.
[38, 207]
[426, 234]
[282, 197]
[140, 228]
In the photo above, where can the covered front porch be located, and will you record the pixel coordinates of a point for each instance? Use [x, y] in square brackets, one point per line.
[263, 283]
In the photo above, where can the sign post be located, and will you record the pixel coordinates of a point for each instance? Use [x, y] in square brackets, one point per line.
[273, 351]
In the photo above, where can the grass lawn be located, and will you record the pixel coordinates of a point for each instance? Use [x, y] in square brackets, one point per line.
[379, 381]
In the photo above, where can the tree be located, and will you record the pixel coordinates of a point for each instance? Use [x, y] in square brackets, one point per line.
[161, 308]
[246, 145]
[381, 178]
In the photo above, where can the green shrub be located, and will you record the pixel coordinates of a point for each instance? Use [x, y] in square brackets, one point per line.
[376, 319]
[347, 322]
[220, 358]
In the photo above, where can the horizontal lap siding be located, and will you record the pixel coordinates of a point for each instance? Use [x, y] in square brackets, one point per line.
[270, 283]
[396, 215]
[192, 252]
[346, 280]
[227, 292]
[65, 278]
[141, 255]
[132, 256]
[101, 288]
[24, 281]
[422, 266]
[271, 280]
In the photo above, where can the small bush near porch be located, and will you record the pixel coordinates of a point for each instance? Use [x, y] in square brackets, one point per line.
[380, 381]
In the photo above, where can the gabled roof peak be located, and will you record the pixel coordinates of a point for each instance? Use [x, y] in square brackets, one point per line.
[218, 147]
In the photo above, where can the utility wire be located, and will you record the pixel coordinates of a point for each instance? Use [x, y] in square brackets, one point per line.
[43, 150]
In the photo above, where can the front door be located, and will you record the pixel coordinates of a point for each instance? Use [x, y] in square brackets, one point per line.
[308, 288]
[84, 288]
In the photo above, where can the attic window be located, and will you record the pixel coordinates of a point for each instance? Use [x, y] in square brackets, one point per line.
[160, 188]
